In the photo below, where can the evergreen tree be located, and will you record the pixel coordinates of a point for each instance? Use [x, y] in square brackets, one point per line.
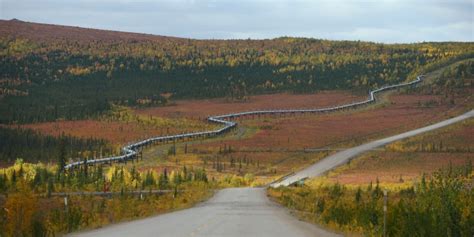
[13, 178]
[50, 187]
[62, 155]
[3, 182]
[358, 195]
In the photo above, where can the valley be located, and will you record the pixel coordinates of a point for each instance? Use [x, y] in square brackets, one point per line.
[104, 133]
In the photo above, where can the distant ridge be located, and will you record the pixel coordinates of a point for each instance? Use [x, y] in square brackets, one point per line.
[45, 32]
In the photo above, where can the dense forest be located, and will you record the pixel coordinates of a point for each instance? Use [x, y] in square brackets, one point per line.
[50, 72]
[33, 147]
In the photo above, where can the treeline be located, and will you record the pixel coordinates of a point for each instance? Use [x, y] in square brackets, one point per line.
[44, 179]
[31, 206]
[440, 205]
[433, 146]
[32, 146]
[64, 78]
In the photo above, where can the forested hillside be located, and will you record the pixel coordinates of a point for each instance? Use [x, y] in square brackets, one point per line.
[49, 72]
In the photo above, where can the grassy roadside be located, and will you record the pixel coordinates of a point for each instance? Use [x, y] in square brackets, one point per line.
[440, 205]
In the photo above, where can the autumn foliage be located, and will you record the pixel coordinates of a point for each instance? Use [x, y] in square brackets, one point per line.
[439, 205]
[52, 72]
[33, 196]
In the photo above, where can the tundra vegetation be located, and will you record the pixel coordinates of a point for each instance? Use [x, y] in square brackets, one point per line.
[272, 146]
[428, 177]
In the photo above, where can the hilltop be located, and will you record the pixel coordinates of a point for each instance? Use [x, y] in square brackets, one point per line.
[47, 32]
[51, 72]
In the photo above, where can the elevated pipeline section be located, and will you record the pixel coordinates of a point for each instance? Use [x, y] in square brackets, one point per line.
[131, 151]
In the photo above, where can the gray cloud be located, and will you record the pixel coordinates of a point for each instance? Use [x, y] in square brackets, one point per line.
[381, 21]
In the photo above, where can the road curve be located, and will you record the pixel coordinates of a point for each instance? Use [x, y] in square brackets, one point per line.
[231, 212]
[343, 157]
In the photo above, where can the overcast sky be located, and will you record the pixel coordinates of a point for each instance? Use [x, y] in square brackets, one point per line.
[378, 20]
